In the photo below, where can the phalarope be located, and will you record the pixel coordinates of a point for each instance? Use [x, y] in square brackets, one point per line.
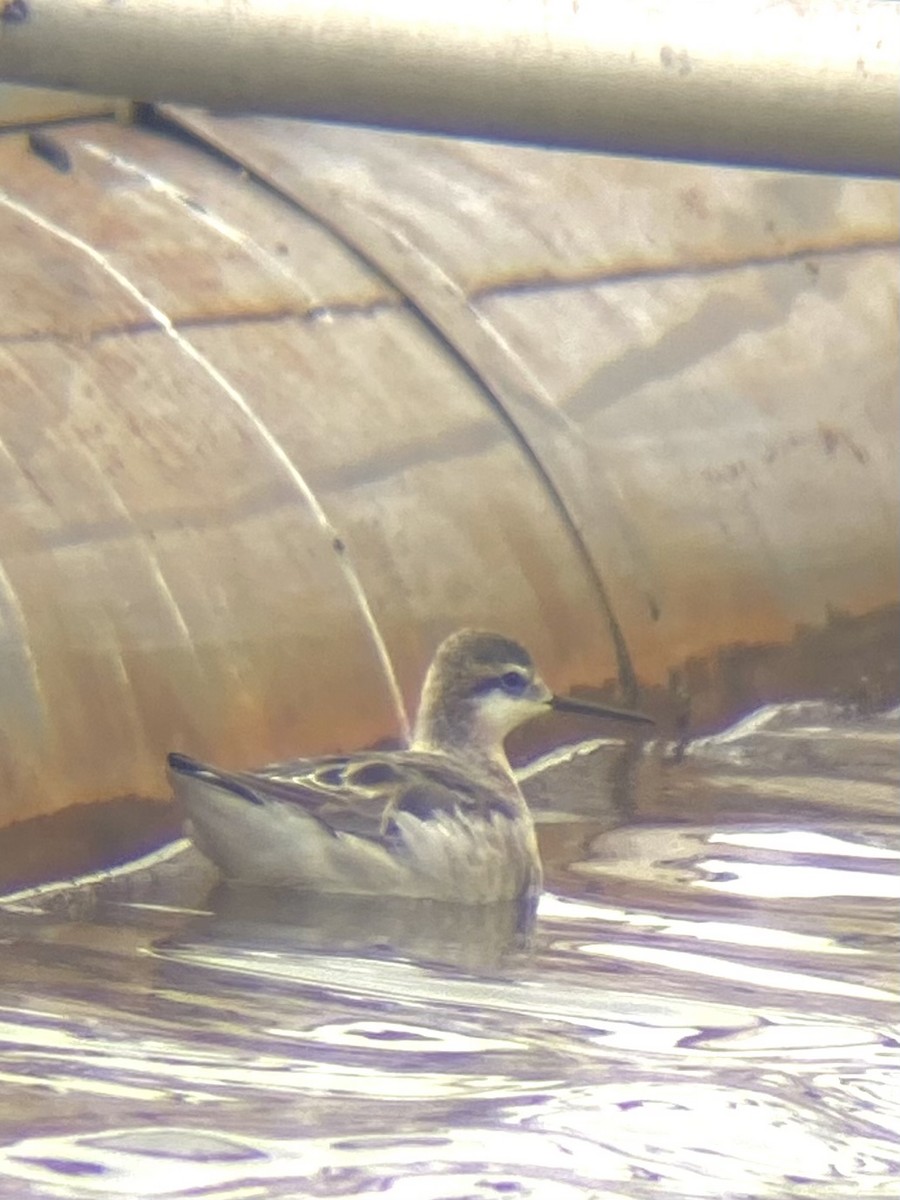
[443, 820]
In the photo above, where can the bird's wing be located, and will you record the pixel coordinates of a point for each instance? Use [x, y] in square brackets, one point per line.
[360, 794]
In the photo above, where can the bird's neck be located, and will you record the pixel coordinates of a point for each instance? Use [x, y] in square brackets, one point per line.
[437, 732]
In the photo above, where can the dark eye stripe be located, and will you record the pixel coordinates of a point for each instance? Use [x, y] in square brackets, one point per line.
[510, 682]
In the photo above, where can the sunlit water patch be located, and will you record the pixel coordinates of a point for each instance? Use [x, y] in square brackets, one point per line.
[705, 1003]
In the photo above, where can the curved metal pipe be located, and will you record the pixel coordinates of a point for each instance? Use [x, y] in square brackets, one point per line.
[760, 82]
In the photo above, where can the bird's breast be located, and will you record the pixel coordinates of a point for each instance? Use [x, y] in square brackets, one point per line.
[469, 857]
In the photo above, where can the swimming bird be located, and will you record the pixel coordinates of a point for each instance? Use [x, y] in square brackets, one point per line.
[443, 820]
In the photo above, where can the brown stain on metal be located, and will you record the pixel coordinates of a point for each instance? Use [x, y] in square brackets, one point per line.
[832, 439]
[506, 284]
[198, 272]
[446, 311]
[724, 640]
[850, 660]
[84, 839]
[200, 320]
[734, 679]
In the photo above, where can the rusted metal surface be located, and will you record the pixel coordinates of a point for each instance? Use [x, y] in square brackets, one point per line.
[235, 459]
[704, 363]
[273, 427]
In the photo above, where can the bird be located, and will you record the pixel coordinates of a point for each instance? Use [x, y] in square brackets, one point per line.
[441, 820]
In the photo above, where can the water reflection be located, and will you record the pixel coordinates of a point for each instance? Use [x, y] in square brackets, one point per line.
[473, 937]
[705, 1004]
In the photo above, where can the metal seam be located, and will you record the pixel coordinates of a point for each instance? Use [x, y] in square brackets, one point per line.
[267, 437]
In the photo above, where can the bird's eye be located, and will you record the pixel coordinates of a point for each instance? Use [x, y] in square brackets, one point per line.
[513, 683]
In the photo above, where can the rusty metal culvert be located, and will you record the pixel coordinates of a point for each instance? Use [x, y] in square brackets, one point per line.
[284, 403]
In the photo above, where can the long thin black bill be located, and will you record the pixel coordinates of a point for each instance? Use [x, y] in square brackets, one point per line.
[589, 709]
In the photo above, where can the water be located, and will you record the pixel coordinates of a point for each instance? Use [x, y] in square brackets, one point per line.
[705, 1006]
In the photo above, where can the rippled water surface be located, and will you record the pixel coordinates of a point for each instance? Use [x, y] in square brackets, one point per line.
[706, 1004]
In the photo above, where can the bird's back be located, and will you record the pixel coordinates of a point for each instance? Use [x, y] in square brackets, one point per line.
[412, 824]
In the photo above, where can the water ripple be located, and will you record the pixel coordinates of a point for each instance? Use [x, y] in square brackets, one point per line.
[705, 1005]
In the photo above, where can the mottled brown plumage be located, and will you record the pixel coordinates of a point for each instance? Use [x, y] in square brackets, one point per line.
[443, 820]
